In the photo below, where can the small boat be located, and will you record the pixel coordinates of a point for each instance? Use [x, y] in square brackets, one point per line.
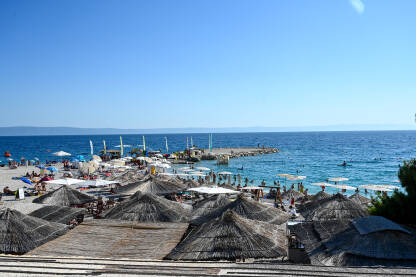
[7, 154]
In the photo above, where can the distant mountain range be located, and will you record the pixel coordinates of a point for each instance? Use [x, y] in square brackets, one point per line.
[50, 131]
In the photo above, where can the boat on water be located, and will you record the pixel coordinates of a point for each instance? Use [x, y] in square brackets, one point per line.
[7, 154]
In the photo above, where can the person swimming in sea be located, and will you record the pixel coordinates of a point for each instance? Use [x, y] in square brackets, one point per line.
[344, 163]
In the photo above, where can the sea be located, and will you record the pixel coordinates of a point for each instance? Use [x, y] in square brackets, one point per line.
[373, 157]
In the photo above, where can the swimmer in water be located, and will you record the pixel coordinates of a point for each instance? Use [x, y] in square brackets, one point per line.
[344, 163]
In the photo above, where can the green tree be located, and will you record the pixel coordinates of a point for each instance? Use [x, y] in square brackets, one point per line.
[399, 207]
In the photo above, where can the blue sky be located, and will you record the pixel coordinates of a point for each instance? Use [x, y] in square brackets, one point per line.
[154, 64]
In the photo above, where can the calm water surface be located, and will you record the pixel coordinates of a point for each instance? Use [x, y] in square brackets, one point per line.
[374, 156]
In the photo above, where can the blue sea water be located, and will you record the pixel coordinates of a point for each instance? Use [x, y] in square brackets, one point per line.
[374, 155]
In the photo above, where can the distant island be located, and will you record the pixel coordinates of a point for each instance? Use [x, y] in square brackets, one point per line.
[51, 131]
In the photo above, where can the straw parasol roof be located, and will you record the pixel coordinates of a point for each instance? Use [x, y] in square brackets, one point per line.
[320, 195]
[20, 233]
[289, 194]
[152, 185]
[248, 209]
[209, 204]
[358, 198]
[129, 177]
[147, 207]
[64, 196]
[367, 241]
[231, 237]
[337, 206]
[58, 213]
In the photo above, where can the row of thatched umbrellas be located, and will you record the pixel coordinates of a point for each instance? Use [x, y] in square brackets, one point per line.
[220, 228]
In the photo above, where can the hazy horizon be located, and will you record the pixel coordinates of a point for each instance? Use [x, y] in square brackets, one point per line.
[45, 131]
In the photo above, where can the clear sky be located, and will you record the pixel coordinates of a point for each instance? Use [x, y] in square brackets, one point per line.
[196, 63]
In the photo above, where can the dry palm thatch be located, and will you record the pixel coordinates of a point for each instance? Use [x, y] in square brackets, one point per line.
[320, 195]
[190, 183]
[312, 200]
[231, 237]
[368, 241]
[207, 205]
[336, 207]
[147, 207]
[248, 209]
[227, 186]
[151, 185]
[292, 194]
[128, 177]
[58, 214]
[20, 233]
[362, 200]
[64, 196]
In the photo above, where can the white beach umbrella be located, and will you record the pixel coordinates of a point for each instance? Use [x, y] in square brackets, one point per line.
[225, 173]
[338, 179]
[167, 174]
[182, 175]
[196, 174]
[97, 158]
[375, 187]
[65, 181]
[389, 186]
[162, 165]
[322, 184]
[285, 175]
[61, 154]
[344, 187]
[213, 190]
[251, 187]
[97, 183]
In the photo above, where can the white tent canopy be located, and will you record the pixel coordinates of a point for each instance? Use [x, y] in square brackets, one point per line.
[375, 187]
[322, 184]
[97, 183]
[61, 154]
[213, 190]
[225, 173]
[338, 179]
[344, 187]
[65, 181]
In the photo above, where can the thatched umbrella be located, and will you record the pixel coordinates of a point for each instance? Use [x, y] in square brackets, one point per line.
[320, 195]
[207, 205]
[231, 237]
[292, 194]
[58, 213]
[362, 200]
[147, 207]
[367, 241]
[335, 207]
[151, 185]
[64, 196]
[248, 209]
[129, 177]
[227, 186]
[20, 233]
